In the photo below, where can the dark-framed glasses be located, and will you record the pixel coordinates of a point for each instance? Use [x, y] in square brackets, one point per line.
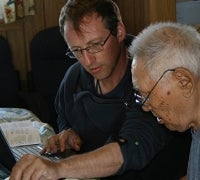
[92, 49]
[141, 100]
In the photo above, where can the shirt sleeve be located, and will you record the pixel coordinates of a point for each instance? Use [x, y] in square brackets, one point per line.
[140, 138]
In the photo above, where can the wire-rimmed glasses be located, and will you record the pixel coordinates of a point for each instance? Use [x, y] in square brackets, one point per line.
[141, 100]
[92, 48]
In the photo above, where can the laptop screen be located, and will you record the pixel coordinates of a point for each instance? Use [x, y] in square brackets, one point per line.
[6, 157]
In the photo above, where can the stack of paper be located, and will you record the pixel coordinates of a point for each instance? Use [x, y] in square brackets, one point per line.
[20, 133]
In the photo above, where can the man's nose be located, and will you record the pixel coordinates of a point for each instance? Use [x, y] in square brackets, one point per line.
[88, 58]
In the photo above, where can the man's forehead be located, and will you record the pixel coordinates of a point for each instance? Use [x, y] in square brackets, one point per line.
[87, 25]
[91, 16]
[88, 19]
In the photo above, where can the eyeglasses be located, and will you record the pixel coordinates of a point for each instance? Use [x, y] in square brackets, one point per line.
[92, 49]
[141, 100]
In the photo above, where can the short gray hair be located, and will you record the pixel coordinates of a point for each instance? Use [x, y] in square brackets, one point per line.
[167, 45]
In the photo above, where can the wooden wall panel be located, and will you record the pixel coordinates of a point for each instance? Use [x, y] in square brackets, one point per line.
[14, 33]
[137, 14]
[133, 14]
[52, 11]
[162, 10]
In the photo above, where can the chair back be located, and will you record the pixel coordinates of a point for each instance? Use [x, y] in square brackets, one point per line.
[48, 66]
[9, 78]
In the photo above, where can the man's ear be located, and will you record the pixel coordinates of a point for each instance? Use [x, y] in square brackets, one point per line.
[185, 80]
[121, 31]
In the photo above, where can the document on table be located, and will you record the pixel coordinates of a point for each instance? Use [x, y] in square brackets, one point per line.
[20, 133]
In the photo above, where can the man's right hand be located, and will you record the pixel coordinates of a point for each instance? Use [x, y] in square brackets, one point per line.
[67, 139]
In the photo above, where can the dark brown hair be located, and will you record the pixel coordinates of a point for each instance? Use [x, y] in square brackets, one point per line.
[75, 10]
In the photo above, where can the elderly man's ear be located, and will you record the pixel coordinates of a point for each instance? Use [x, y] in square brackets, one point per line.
[185, 81]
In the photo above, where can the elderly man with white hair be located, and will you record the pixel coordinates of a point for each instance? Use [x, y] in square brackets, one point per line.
[166, 74]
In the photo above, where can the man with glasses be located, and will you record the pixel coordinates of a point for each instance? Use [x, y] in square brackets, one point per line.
[97, 113]
[165, 71]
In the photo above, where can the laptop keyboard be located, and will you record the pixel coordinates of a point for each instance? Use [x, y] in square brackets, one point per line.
[35, 149]
[20, 151]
